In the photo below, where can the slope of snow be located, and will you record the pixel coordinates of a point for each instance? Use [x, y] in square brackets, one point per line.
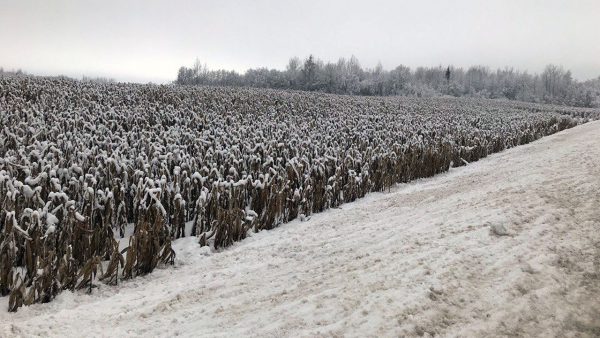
[509, 245]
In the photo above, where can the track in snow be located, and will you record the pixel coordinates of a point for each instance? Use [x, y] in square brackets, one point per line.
[417, 261]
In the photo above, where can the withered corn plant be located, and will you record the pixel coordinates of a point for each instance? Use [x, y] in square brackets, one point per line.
[97, 180]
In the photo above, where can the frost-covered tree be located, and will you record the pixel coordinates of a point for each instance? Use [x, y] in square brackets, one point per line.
[346, 76]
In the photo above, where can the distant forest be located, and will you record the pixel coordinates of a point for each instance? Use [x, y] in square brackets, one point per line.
[346, 76]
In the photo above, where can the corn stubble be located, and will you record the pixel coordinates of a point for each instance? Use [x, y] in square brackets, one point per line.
[81, 161]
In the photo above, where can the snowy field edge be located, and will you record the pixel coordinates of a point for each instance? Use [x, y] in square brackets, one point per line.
[506, 246]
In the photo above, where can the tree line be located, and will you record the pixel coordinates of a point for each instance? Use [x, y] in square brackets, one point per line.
[346, 76]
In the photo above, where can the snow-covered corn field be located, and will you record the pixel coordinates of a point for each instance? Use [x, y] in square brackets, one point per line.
[96, 180]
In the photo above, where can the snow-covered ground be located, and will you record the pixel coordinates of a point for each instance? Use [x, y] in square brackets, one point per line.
[423, 259]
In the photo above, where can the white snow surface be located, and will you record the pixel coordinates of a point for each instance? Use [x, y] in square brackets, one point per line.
[421, 260]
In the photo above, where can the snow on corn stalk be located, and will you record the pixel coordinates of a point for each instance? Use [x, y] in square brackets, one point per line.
[87, 166]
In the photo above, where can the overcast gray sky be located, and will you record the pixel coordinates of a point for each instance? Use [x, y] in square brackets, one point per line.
[149, 40]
